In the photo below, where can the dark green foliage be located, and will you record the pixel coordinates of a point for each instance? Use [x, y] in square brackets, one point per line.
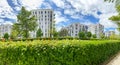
[55, 34]
[6, 36]
[88, 35]
[82, 35]
[94, 36]
[25, 23]
[39, 33]
[65, 52]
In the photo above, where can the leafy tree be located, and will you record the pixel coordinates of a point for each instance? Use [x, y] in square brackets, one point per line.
[88, 35]
[102, 36]
[63, 32]
[116, 18]
[94, 36]
[14, 32]
[81, 35]
[26, 23]
[6, 36]
[39, 33]
[55, 34]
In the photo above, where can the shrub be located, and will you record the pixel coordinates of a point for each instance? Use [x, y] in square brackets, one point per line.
[63, 52]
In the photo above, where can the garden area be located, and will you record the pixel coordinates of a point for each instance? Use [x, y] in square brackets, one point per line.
[57, 52]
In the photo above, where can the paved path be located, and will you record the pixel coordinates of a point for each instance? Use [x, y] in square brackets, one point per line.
[115, 60]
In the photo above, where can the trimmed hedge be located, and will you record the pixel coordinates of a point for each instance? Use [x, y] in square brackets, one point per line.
[63, 52]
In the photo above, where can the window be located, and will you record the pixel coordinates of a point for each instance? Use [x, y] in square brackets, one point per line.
[75, 34]
[41, 12]
[45, 22]
[35, 12]
[45, 12]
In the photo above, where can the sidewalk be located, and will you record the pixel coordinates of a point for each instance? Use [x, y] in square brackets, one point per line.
[115, 60]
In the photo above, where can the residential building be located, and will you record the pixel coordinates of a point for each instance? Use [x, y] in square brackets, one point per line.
[45, 21]
[109, 33]
[96, 29]
[75, 28]
[5, 28]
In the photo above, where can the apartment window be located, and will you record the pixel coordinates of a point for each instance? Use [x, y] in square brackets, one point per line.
[45, 12]
[76, 31]
[75, 34]
[41, 12]
[48, 12]
[45, 22]
[35, 12]
[76, 28]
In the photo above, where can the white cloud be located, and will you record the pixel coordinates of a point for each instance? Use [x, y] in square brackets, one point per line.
[31, 4]
[107, 23]
[59, 3]
[1, 21]
[5, 10]
[59, 18]
[8, 22]
[47, 5]
[117, 32]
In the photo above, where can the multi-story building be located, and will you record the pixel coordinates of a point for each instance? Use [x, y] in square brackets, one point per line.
[109, 33]
[75, 28]
[45, 21]
[96, 29]
[5, 28]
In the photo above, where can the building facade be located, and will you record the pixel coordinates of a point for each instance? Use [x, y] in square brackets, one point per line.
[109, 33]
[45, 21]
[75, 28]
[5, 28]
[96, 29]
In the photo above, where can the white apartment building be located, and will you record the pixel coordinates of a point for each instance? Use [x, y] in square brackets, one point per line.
[75, 28]
[5, 28]
[45, 21]
[97, 29]
[109, 33]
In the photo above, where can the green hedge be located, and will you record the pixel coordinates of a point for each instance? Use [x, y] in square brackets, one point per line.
[63, 52]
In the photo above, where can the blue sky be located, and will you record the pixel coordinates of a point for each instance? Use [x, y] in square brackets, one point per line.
[67, 11]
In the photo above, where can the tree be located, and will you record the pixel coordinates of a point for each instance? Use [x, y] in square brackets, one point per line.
[63, 32]
[39, 33]
[88, 35]
[102, 36]
[81, 35]
[14, 32]
[116, 18]
[6, 36]
[26, 23]
[94, 36]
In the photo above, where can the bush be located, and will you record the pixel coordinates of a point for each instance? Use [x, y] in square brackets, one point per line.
[63, 52]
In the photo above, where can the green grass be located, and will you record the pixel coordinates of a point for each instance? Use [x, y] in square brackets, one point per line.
[57, 52]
